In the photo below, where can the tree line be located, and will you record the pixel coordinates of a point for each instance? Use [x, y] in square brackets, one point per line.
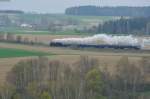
[85, 79]
[13, 38]
[136, 26]
[108, 11]
[11, 12]
[126, 26]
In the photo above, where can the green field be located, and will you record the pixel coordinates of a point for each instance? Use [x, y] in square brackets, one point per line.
[31, 17]
[8, 53]
[17, 31]
[81, 21]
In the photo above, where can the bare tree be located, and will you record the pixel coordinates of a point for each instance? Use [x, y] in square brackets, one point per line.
[19, 39]
[10, 37]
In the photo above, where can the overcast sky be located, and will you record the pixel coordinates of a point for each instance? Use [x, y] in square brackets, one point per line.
[59, 6]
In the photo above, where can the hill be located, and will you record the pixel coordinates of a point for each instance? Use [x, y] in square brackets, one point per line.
[108, 11]
[11, 12]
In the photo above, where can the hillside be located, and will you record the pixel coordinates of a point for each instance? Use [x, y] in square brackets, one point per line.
[11, 12]
[108, 11]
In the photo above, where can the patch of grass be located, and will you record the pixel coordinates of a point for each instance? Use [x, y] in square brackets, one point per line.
[69, 32]
[9, 52]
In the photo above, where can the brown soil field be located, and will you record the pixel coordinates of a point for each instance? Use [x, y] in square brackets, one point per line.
[106, 58]
[45, 38]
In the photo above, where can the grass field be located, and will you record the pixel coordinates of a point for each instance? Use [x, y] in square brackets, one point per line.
[9, 53]
[36, 32]
[31, 18]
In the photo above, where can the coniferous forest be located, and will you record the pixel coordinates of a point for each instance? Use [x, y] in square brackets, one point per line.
[108, 11]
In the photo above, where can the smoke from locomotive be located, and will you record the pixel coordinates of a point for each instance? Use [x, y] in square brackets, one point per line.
[99, 40]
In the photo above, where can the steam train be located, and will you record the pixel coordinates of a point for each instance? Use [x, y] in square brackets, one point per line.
[98, 46]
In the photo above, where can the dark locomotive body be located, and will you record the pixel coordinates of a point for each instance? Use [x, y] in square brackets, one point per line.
[99, 46]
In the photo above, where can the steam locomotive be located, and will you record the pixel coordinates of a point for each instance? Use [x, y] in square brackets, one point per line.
[99, 46]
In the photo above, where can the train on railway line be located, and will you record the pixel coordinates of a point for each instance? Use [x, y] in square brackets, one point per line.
[99, 42]
[59, 44]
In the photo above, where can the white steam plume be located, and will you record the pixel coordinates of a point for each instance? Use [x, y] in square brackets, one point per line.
[101, 39]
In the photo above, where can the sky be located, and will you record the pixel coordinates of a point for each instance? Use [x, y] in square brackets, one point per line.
[59, 6]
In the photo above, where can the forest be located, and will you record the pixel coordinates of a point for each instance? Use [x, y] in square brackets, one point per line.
[138, 26]
[85, 79]
[11, 12]
[108, 11]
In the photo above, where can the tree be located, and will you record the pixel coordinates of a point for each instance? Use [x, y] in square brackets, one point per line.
[108, 11]
[26, 40]
[2, 37]
[94, 84]
[32, 89]
[10, 37]
[128, 79]
[148, 28]
[6, 91]
[125, 26]
[16, 96]
[19, 39]
[28, 71]
[45, 95]
[84, 65]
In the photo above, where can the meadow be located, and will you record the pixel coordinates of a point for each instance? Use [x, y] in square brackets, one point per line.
[10, 52]
[80, 21]
[30, 17]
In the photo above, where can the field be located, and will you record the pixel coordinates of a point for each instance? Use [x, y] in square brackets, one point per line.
[9, 53]
[84, 19]
[12, 53]
[79, 21]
